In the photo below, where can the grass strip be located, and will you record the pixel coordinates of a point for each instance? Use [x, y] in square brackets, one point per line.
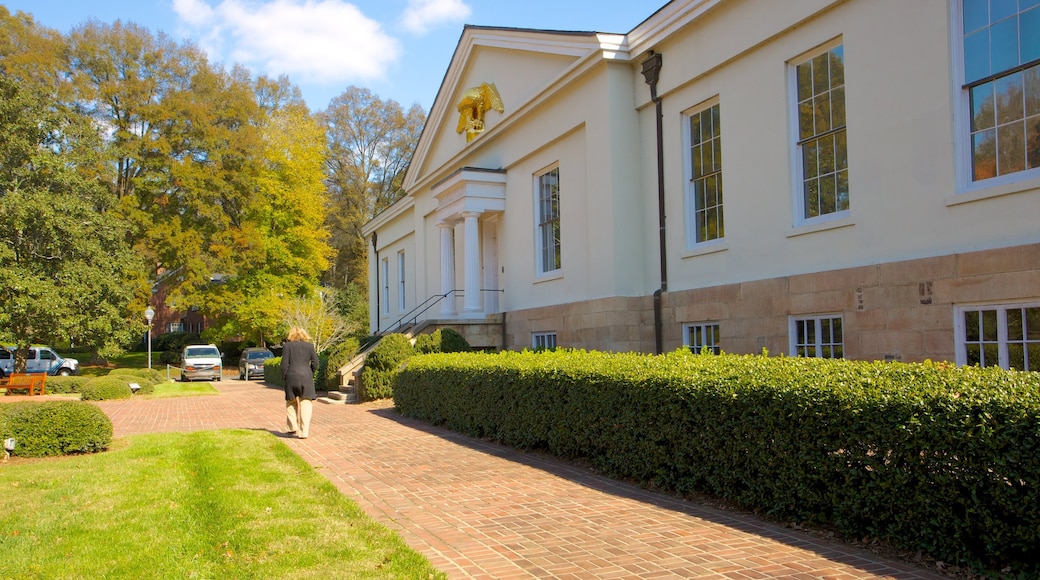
[213, 504]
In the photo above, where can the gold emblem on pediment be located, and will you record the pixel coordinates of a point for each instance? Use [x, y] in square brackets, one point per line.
[475, 102]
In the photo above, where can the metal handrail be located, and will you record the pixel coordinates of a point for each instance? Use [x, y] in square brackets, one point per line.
[413, 315]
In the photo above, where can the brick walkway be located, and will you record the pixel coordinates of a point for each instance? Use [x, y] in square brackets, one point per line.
[480, 510]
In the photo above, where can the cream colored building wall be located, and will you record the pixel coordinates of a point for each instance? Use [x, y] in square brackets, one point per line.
[900, 100]
[396, 235]
[576, 131]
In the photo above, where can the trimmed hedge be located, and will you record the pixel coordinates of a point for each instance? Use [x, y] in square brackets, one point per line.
[273, 372]
[51, 428]
[151, 375]
[928, 456]
[382, 365]
[442, 340]
[106, 388]
[64, 385]
[339, 355]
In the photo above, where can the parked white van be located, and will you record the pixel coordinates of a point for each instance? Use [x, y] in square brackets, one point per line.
[41, 359]
[201, 361]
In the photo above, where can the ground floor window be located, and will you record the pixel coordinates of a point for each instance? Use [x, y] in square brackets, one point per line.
[817, 336]
[702, 335]
[543, 340]
[1007, 336]
[174, 327]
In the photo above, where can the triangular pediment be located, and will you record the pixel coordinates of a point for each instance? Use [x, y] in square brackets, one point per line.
[521, 64]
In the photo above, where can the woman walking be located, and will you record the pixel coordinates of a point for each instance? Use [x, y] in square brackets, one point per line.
[299, 363]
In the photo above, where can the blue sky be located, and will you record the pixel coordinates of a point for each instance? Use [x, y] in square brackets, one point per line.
[399, 49]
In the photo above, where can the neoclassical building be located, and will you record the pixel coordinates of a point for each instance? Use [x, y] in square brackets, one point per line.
[855, 178]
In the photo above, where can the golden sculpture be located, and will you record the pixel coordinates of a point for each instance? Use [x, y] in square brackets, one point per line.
[475, 102]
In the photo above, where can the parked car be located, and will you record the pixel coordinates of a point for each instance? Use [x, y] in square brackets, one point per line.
[201, 361]
[41, 359]
[251, 363]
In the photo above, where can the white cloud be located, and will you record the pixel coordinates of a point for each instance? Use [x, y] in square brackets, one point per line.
[325, 41]
[422, 15]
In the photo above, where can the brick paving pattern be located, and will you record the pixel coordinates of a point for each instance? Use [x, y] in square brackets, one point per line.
[481, 510]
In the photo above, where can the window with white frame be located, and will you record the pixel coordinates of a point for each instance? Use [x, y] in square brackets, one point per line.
[174, 327]
[704, 167]
[817, 336]
[543, 340]
[821, 144]
[402, 302]
[548, 220]
[702, 335]
[1001, 68]
[384, 290]
[1007, 336]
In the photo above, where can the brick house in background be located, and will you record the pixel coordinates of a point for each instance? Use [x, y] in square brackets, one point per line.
[166, 319]
[835, 178]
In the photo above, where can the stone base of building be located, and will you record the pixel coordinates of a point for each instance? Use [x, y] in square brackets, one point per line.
[900, 311]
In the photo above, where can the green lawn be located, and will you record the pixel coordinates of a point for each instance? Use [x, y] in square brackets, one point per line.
[214, 504]
[164, 390]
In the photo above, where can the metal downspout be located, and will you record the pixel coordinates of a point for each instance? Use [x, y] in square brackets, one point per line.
[375, 250]
[651, 73]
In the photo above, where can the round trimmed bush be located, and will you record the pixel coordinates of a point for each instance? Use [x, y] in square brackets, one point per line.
[152, 375]
[50, 428]
[339, 355]
[442, 340]
[382, 365]
[106, 388]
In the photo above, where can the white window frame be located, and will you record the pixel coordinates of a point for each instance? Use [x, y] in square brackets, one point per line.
[543, 340]
[818, 345]
[402, 302]
[1002, 341]
[698, 335]
[384, 290]
[174, 327]
[797, 185]
[994, 186]
[540, 223]
[692, 230]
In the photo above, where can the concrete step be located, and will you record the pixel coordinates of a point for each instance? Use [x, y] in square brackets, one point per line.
[338, 398]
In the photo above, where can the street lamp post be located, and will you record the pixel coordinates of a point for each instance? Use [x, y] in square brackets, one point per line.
[149, 314]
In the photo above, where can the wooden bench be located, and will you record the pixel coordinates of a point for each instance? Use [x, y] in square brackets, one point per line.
[35, 384]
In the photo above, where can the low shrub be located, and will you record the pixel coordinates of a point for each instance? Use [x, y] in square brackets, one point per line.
[152, 375]
[146, 379]
[441, 340]
[51, 428]
[65, 385]
[175, 341]
[170, 357]
[382, 365]
[339, 355]
[928, 456]
[106, 388]
[273, 372]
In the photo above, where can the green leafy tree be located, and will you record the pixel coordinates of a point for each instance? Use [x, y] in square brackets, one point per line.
[66, 269]
[371, 142]
[283, 247]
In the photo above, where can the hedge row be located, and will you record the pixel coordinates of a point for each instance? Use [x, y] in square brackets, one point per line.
[927, 456]
[393, 350]
[51, 428]
[273, 372]
[114, 385]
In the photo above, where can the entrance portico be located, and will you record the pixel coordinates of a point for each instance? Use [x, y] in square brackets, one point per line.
[469, 196]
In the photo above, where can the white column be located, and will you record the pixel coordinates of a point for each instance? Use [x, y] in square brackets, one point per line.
[472, 273]
[447, 269]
